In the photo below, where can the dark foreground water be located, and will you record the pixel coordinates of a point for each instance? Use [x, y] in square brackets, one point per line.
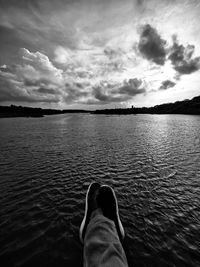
[46, 165]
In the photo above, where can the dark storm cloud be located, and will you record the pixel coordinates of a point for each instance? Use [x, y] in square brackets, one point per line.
[182, 58]
[131, 87]
[109, 93]
[103, 97]
[167, 84]
[151, 45]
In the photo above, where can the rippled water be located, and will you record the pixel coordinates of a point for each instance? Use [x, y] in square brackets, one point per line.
[46, 165]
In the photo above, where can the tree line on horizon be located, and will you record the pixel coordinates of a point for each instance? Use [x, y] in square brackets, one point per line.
[180, 107]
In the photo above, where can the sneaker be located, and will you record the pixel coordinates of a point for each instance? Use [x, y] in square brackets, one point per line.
[90, 206]
[107, 201]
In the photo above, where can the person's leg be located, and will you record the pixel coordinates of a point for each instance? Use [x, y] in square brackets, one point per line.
[102, 245]
[90, 206]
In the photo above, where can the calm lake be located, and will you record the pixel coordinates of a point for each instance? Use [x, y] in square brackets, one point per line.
[46, 165]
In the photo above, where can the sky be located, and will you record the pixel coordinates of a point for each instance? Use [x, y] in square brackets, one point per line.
[94, 54]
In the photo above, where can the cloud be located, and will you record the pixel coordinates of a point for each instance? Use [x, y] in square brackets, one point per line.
[167, 84]
[69, 51]
[95, 75]
[151, 45]
[5, 68]
[62, 55]
[104, 97]
[131, 87]
[74, 93]
[182, 58]
[35, 80]
[106, 92]
[116, 59]
[112, 53]
[38, 65]
[91, 63]
[44, 90]
[14, 91]
[154, 48]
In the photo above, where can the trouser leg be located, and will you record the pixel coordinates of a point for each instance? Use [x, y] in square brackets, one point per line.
[102, 247]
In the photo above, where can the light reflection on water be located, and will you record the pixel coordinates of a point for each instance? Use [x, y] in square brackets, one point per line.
[46, 165]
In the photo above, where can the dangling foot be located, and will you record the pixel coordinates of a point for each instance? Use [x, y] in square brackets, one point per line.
[90, 206]
[107, 201]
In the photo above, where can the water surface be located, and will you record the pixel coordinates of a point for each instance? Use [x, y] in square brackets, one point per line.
[46, 165]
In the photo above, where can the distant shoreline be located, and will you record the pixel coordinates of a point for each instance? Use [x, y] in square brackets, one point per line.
[187, 107]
